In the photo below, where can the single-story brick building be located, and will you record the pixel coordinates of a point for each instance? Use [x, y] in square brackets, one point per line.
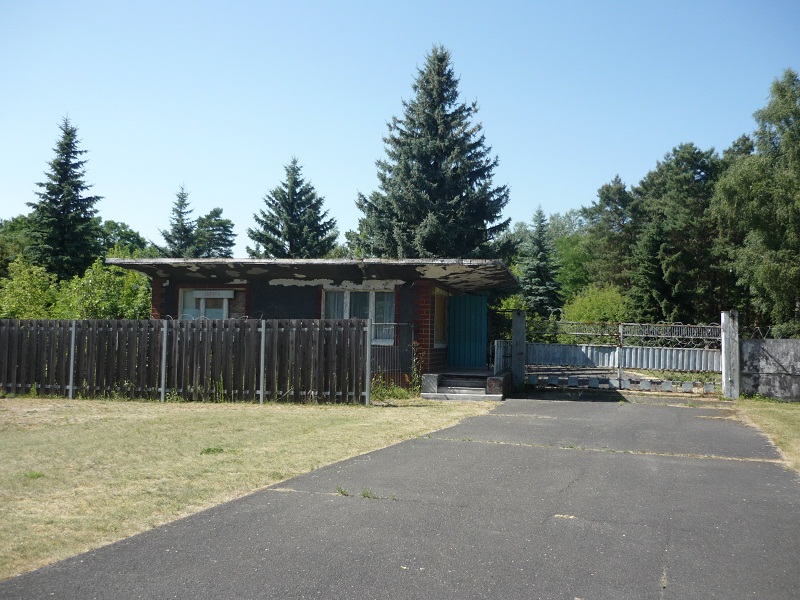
[439, 301]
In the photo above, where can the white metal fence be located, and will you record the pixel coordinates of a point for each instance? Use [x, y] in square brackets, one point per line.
[645, 357]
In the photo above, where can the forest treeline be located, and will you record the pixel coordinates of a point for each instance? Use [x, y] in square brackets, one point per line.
[703, 231]
[700, 233]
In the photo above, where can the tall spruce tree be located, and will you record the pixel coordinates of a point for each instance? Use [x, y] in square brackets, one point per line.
[678, 193]
[436, 197]
[64, 234]
[181, 237]
[293, 224]
[537, 273]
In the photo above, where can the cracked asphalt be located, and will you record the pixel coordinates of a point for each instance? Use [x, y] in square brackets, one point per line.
[538, 499]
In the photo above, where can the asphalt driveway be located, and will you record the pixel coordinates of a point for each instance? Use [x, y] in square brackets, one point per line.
[539, 499]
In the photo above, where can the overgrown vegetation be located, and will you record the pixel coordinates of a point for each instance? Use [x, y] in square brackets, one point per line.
[79, 474]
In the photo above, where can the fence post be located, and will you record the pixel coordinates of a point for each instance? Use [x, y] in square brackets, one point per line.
[368, 365]
[164, 326]
[261, 362]
[518, 347]
[730, 354]
[620, 357]
[72, 327]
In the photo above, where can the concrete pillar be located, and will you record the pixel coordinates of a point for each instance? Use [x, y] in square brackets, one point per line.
[518, 348]
[730, 354]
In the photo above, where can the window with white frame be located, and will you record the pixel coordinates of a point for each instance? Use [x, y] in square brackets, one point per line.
[211, 304]
[378, 306]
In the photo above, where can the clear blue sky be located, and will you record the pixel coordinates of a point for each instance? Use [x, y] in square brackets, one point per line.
[218, 96]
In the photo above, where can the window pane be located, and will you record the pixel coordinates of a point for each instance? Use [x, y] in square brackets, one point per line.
[334, 305]
[215, 308]
[190, 307]
[384, 313]
[384, 307]
[359, 305]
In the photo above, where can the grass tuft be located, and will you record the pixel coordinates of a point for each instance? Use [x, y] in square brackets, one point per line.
[212, 450]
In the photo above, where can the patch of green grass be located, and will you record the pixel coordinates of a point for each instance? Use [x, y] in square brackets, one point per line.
[778, 420]
[118, 468]
[33, 474]
[212, 450]
[341, 491]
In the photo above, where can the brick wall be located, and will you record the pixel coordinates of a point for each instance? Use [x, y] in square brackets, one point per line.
[432, 359]
[158, 303]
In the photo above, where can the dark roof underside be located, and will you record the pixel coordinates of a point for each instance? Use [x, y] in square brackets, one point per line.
[464, 276]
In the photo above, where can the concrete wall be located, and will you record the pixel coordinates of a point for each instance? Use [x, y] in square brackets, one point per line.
[771, 368]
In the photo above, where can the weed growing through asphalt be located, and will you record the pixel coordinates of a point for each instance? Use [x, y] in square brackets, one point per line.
[368, 493]
[341, 491]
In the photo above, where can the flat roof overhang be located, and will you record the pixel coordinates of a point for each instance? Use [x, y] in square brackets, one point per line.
[461, 275]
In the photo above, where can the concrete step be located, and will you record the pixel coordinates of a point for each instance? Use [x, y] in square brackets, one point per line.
[451, 389]
[462, 397]
[463, 382]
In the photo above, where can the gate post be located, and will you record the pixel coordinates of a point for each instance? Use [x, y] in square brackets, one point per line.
[518, 347]
[620, 357]
[730, 354]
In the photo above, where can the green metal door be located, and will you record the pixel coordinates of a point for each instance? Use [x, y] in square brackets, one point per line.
[467, 331]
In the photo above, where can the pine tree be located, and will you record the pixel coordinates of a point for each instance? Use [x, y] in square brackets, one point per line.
[180, 238]
[436, 197]
[64, 235]
[210, 236]
[214, 236]
[648, 297]
[613, 223]
[537, 271]
[677, 194]
[293, 224]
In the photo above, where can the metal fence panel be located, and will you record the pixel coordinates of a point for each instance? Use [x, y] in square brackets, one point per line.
[392, 356]
[576, 355]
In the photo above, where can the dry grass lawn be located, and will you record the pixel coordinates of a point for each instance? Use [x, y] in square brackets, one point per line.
[79, 474]
[779, 420]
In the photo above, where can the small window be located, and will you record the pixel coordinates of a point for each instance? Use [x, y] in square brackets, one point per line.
[211, 304]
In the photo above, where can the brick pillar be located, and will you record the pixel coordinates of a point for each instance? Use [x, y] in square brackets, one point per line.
[158, 303]
[423, 322]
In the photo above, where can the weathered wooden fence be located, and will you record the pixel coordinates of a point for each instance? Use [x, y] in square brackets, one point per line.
[296, 360]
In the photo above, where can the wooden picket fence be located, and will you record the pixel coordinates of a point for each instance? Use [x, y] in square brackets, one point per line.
[298, 360]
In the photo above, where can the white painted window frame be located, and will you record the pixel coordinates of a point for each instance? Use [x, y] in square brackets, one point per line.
[346, 308]
[183, 317]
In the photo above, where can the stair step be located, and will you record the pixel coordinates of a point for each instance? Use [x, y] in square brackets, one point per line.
[448, 389]
[463, 382]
